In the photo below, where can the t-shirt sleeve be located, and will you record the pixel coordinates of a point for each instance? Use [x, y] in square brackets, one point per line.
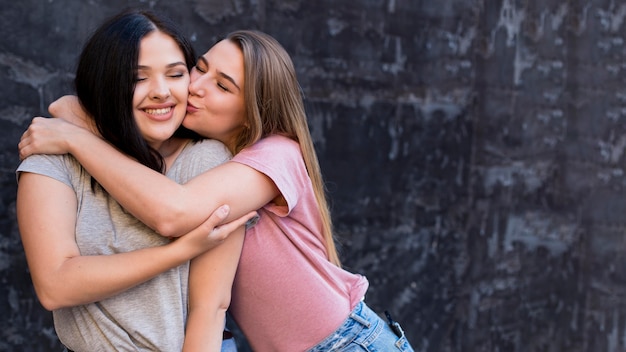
[279, 158]
[54, 166]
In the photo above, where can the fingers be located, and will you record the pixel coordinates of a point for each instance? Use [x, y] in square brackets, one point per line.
[25, 140]
[216, 218]
[22, 146]
[222, 231]
[212, 232]
[45, 136]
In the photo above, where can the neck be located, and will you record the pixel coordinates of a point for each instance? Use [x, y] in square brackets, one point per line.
[170, 149]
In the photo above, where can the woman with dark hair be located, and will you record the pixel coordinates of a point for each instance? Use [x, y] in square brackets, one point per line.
[111, 282]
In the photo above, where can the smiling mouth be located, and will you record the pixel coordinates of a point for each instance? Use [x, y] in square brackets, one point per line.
[161, 111]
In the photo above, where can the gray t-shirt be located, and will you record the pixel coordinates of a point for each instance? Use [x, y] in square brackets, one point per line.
[147, 317]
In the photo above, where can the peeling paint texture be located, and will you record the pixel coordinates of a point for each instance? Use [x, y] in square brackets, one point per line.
[474, 153]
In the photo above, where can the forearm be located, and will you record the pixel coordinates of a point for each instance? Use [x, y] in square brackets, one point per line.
[164, 205]
[170, 208]
[132, 184]
[86, 279]
[69, 108]
[211, 278]
[46, 214]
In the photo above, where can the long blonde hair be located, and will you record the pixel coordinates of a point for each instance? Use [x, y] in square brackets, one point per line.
[274, 105]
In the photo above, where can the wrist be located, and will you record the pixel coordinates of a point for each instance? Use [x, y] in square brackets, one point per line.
[181, 249]
[79, 138]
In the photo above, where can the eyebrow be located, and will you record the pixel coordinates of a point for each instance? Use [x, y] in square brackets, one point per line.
[222, 74]
[173, 64]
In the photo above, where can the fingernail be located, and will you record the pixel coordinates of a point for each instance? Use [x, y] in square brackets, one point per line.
[223, 210]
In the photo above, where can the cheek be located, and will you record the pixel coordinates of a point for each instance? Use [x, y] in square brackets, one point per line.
[240, 112]
[181, 90]
[139, 95]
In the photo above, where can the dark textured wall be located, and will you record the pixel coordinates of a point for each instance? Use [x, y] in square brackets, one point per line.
[474, 152]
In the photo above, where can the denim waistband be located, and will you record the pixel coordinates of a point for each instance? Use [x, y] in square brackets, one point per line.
[361, 317]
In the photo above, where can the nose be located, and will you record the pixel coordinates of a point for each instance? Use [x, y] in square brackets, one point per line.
[160, 89]
[196, 86]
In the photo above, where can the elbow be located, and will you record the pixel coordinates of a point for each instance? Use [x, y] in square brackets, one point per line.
[54, 109]
[224, 304]
[172, 222]
[163, 228]
[209, 307]
[168, 228]
[53, 296]
[48, 299]
[49, 305]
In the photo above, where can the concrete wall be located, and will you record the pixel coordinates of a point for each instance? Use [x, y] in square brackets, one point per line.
[473, 149]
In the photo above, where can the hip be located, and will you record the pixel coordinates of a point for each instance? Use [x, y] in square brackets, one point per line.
[364, 330]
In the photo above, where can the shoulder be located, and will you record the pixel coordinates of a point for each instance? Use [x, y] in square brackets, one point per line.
[276, 140]
[272, 147]
[273, 155]
[206, 148]
[279, 158]
[198, 157]
[63, 168]
[47, 161]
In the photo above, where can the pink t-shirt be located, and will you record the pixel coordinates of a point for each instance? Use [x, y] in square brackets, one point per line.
[287, 296]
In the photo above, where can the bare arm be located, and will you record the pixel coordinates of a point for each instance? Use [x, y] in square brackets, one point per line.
[68, 107]
[211, 279]
[162, 204]
[46, 213]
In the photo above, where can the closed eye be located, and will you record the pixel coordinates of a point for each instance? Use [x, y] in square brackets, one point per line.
[201, 65]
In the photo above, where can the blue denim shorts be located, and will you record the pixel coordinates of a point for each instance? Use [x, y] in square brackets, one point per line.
[364, 330]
